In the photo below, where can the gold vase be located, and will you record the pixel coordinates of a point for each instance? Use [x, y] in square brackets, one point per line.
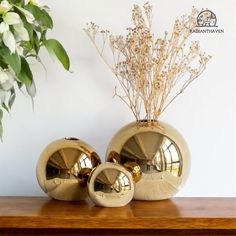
[161, 153]
[64, 168]
[110, 185]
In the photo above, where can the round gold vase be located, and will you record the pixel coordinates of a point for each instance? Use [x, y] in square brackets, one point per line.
[110, 185]
[161, 153]
[64, 167]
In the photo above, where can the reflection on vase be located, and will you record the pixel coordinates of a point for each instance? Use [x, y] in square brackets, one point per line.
[153, 152]
[112, 181]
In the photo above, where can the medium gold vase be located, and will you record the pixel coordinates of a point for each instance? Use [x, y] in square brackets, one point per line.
[64, 167]
[161, 153]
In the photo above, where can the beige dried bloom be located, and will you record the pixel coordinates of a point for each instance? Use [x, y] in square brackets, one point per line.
[151, 72]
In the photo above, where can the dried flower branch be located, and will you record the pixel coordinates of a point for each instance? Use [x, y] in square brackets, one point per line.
[149, 70]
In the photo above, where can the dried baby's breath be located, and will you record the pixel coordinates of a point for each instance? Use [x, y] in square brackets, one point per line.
[151, 71]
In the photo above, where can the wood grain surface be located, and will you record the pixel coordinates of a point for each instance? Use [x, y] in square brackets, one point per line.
[189, 214]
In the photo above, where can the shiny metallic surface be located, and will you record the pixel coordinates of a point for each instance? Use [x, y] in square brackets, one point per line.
[110, 185]
[64, 167]
[134, 169]
[161, 153]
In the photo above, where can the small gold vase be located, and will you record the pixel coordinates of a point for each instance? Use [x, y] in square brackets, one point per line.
[161, 153]
[110, 185]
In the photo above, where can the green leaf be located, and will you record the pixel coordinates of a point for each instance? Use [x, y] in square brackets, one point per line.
[11, 98]
[3, 51]
[27, 25]
[43, 36]
[17, 1]
[25, 76]
[54, 47]
[19, 84]
[36, 42]
[31, 90]
[2, 63]
[13, 60]
[1, 114]
[5, 106]
[41, 16]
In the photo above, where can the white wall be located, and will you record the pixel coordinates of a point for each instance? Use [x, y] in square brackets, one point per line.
[80, 103]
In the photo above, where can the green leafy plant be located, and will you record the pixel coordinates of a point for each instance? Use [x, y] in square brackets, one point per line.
[23, 29]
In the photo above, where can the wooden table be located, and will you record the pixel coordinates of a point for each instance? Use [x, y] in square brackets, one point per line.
[178, 216]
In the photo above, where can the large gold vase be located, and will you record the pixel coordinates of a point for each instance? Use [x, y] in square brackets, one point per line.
[161, 153]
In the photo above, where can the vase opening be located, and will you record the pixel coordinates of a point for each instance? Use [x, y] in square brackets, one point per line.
[147, 123]
[71, 139]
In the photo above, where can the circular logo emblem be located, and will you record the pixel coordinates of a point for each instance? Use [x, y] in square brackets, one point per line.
[206, 18]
